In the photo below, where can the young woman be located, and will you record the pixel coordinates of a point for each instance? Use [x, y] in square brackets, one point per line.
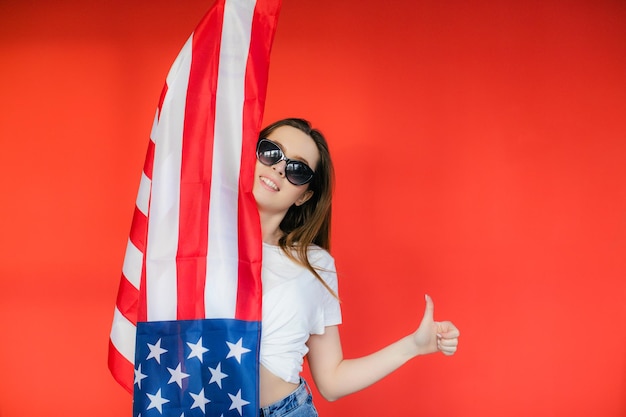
[292, 188]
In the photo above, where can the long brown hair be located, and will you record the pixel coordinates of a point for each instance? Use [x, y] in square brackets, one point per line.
[308, 223]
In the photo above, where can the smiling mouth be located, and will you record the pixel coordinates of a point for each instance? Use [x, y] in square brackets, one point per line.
[271, 184]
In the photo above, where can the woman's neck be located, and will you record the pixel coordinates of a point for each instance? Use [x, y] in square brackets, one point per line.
[270, 228]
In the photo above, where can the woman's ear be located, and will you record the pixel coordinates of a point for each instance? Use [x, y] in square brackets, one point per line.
[304, 197]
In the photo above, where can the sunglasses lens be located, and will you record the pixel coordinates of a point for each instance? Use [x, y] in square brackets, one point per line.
[268, 153]
[298, 173]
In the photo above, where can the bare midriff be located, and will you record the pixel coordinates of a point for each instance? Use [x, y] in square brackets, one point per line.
[273, 388]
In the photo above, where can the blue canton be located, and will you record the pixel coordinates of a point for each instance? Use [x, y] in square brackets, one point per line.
[190, 368]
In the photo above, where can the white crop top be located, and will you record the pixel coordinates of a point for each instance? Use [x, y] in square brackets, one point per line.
[295, 305]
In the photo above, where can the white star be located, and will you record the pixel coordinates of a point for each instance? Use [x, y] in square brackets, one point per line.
[139, 376]
[238, 403]
[156, 401]
[156, 351]
[217, 375]
[200, 401]
[177, 376]
[236, 350]
[197, 350]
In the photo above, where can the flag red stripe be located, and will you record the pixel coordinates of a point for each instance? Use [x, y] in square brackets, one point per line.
[197, 153]
[139, 236]
[162, 99]
[139, 230]
[249, 292]
[127, 300]
[142, 308]
[122, 370]
[147, 166]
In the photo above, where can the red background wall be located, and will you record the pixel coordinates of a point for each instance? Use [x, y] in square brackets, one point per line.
[481, 158]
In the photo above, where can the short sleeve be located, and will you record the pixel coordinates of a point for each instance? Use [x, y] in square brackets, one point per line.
[324, 263]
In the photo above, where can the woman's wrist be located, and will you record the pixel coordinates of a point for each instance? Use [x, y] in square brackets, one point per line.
[410, 348]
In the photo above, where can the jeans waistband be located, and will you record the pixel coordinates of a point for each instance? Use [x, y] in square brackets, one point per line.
[293, 400]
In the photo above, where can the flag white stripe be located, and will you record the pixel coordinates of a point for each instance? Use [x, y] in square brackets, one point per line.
[155, 124]
[223, 252]
[143, 195]
[123, 334]
[163, 223]
[133, 262]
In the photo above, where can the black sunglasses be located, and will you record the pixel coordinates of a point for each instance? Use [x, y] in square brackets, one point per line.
[269, 153]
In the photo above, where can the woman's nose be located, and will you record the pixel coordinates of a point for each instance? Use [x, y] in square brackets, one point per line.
[280, 167]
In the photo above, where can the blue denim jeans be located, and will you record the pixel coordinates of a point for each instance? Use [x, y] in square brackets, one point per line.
[297, 404]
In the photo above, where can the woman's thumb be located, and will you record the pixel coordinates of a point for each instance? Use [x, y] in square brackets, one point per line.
[430, 309]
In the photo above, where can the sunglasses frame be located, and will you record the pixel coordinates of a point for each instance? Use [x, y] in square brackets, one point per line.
[288, 161]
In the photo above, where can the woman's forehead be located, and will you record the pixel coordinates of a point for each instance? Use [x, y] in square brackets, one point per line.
[296, 144]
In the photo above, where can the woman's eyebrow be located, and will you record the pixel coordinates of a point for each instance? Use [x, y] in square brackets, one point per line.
[295, 157]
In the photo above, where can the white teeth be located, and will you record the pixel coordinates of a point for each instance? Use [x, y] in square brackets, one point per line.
[269, 183]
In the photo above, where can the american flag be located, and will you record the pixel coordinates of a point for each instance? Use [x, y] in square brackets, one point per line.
[186, 327]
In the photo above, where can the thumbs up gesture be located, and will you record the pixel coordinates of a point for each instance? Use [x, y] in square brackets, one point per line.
[432, 336]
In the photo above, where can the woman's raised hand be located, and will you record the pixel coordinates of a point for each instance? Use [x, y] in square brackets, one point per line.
[432, 336]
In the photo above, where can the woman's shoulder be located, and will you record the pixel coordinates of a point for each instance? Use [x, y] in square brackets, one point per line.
[319, 256]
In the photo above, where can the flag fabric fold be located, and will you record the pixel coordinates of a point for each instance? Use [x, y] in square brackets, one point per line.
[186, 328]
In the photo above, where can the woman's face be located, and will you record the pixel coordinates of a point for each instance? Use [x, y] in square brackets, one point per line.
[274, 194]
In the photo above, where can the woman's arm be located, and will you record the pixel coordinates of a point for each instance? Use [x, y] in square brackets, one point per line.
[335, 376]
